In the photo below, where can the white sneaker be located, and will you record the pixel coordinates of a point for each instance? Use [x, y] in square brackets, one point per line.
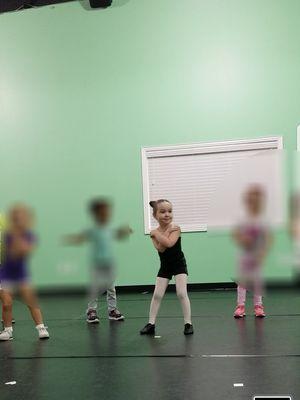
[6, 335]
[43, 333]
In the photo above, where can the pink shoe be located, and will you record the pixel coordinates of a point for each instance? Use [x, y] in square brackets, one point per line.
[239, 311]
[259, 311]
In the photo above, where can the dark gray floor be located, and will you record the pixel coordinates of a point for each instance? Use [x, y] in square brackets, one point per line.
[112, 361]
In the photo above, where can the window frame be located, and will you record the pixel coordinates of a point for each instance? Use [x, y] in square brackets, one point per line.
[147, 152]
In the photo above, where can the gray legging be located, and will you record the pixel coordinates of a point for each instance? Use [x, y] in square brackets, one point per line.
[103, 278]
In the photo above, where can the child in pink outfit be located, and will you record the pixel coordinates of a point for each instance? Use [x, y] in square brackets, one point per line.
[253, 238]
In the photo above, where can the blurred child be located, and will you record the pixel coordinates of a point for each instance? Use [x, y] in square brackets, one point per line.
[295, 233]
[167, 241]
[103, 271]
[253, 238]
[18, 243]
[295, 222]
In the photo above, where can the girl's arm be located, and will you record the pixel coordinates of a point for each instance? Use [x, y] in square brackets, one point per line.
[167, 241]
[22, 246]
[157, 245]
[241, 239]
[268, 243]
[123, 232]
[76, 239]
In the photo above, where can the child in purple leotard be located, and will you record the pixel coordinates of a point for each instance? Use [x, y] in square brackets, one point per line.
[253, 238]
[18, 242]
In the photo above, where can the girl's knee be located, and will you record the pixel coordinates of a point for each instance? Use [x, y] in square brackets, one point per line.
[182, 294]
[33, 307]
[7, 305]
[7, 301]
[157, 296]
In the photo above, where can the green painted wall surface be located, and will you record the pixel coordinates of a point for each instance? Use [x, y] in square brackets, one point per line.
[81, 91]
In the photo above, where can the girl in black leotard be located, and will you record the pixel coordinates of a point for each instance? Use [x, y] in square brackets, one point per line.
[166, 239]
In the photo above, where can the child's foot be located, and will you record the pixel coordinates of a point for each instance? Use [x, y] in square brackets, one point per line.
[188, 329]
[148, 329]
[42, 331]
[92, 317]
[259, 311]
[7, 334]
[115, 315]
[239, 312]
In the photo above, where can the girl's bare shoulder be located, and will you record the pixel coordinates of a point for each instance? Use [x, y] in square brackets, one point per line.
[174, 228]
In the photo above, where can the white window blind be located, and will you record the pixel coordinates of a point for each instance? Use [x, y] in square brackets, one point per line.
[204, 181]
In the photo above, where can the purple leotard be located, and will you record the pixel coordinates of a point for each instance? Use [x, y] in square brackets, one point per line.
[14, 270]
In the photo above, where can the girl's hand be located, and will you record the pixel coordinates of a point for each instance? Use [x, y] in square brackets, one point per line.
[124, 232]
[172, 228]
[246, 241]
[260, 257]
[242, 239]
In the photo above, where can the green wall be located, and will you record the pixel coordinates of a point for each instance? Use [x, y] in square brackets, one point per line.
[81, 91]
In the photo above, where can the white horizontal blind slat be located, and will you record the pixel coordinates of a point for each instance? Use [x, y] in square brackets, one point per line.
[190, 181]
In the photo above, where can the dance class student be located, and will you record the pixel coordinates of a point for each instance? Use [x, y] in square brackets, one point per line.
[167, 241]
[253, 238]
[103, 271]
[18, 243]
[295, 227]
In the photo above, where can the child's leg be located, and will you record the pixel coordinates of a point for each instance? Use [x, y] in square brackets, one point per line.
[7, 302]
[102, 280]
[181, 290]
[241, 295]
[111, 298]
[30, 299]
[95, 290]
[93, 298]
[159, 291]
[257, 292]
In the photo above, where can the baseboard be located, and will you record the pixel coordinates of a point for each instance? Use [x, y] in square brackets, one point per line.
[193, 287]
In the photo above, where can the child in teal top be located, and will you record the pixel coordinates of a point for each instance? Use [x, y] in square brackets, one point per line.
[103, 274]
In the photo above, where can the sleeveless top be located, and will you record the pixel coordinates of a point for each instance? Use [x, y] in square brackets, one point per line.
[172, 256]
[11, 268]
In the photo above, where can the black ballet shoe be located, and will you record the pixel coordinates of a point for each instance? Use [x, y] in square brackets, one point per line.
[148, 329]
[188, 329]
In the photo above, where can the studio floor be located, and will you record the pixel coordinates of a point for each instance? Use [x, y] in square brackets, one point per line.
[112, 361]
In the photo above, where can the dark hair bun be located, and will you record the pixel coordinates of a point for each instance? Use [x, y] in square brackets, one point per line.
[152, 204]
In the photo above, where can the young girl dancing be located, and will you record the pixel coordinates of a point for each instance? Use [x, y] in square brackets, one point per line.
[253, 238]
[18, 244]
[103, 271]
[167, 241]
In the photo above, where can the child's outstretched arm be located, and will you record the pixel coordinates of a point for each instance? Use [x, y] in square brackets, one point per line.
[123, 232]
[167, 241]
[75, 239]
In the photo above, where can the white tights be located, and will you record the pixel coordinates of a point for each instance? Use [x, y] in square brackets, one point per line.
[181, 290]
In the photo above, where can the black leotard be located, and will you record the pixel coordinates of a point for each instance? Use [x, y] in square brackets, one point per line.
[172, 261]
